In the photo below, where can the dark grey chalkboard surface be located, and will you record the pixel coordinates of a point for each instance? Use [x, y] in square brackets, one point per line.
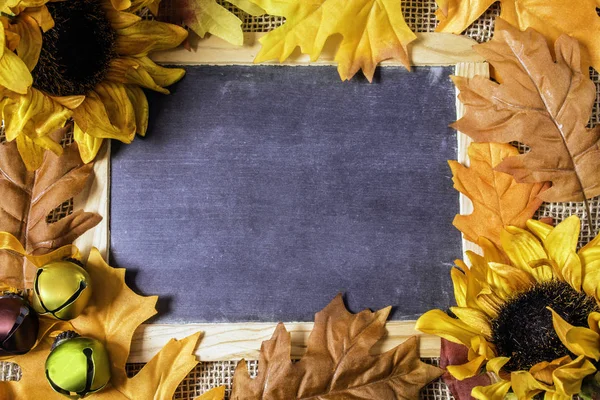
[260, 193]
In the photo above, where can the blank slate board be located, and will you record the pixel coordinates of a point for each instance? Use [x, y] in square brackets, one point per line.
[261, 192]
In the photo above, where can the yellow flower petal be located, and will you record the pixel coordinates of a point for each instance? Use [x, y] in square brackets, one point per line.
[521, 247]
[495, 391]
[2, 40]
[30, 45]
[140, 106]
[88, 145]
[594, 321]
[544, 270]
[459, 282]
[474, 318]
[590, 259]
[14, 74]
[71, 102]
[143, 72]
[31, 154]
[556, 396]
[568, 377]
[561, 246]
[467, 370]
[119, 19]
[539, 229]
[507, 280]
[491, 253]
[33, 114]
[526, 386]
[107, 113]
[41, 15]
[437, 322]
[481, 347]
[147, 36]
[542, 371]
[579, 340]
[495, 364]
[121, 4]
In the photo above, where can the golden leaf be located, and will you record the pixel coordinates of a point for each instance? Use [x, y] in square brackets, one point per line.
[213, 394]
[372, 31]
[551, 18]
[27, 199]
[207, 16]
[541, 103]
[112, 316]
[338, 363]
[498, 200]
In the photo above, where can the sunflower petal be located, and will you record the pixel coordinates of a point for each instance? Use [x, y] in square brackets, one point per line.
[495, 364]
[161, 75]
[459, 282]
[579, 340]
[71, 102]
[506, 279]
[556, 396]
[526, 386]
[521, 247]
[437, 322]
[143, 72]
[33, 114]
[88, 145]
[41, 15]
[2, 40]
[495, 391]
[30, 152]
[568, 377]
[466, 370]
[539, 229]
[147, 36]
[481, 347]
[30, 45]
[141, 108]
[594, 321]
[491, 253]
[590, 259]
[474, 318]
[542, 371]
[107, 113]
[121, 5]
[119, 19]
[14, 74]
[561, 246]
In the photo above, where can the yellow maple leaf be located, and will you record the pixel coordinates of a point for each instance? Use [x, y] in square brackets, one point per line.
[112, 316]
[498, 200]
[213, 394]
[578, 19]
[207, 16]
[371, 30]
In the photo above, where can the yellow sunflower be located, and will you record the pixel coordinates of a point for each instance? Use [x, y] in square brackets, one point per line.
[84, 60]
[529, 313]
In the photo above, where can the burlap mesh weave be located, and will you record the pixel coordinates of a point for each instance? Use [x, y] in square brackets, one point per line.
[420, 17]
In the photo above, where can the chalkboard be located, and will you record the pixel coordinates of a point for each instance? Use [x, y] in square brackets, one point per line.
[261, 192]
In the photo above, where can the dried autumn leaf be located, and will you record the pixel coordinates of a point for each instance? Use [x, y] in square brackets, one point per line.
[112, 316]
[213, 394]
[207, 16]
[338, 363]
[372, 31]
[498, 200]
[28, 197]
[541, 103]
[577, 19]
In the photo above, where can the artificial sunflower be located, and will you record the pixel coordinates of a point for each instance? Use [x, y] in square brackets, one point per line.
[529, 313]
[79, 60]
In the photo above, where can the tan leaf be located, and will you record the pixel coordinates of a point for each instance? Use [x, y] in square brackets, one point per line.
[498, 200]
[112, 316]
[541, 103]
[553, 18]
[372, 31]
[28, 197]
[338, 363]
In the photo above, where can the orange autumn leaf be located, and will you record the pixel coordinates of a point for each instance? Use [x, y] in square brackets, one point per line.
[338, 363]
[577, 19]
[498, 200]
[371, 30]
[543, 103]
[112, 316]
[213, 394]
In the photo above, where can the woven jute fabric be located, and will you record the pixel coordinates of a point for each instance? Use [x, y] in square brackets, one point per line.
[420, 17]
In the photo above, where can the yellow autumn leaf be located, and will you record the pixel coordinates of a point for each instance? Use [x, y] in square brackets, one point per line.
[112, 316]
[553, 18]
[371, 30]
[217, 393]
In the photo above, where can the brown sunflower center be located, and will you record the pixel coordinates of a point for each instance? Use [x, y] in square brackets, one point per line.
[77, 51]
[523, 329]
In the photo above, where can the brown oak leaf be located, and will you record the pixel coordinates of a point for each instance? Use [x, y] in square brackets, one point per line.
[498, 200]
[338, 363]
[543, 103]
[27, 199]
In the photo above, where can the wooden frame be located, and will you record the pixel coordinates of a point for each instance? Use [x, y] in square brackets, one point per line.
[233, 341]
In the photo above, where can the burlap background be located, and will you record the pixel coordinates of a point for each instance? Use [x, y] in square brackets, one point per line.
[419, 15]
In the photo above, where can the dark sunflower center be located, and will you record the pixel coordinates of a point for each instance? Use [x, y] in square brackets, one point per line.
[76, 52]
[523, 329]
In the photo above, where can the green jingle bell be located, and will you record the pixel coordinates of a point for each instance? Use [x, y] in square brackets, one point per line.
[77, 366]
[61, 290]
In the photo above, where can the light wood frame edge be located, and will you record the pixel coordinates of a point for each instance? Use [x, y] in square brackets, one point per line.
[233, 341]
